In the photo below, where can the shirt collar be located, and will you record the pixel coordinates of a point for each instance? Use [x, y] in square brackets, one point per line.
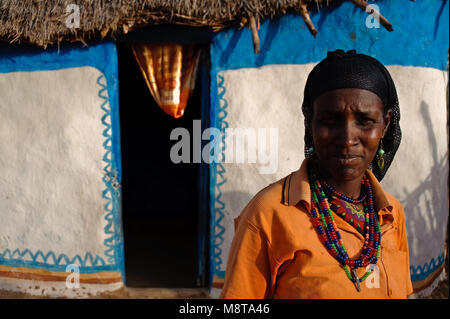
[297, 189]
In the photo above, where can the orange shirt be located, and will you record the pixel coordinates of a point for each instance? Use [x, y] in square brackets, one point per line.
[276, 252]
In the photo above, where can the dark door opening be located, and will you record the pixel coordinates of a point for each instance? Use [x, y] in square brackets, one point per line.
[160, 199]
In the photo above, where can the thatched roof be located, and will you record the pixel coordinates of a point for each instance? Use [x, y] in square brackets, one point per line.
[43, 22]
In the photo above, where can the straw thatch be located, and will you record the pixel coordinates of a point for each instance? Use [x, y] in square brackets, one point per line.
[43, 22]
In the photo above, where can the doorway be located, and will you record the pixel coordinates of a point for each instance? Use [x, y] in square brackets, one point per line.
[161, 202]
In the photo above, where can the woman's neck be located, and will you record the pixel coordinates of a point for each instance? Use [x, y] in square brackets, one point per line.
[349, 188]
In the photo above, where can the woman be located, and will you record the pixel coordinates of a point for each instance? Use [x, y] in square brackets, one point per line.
[329, 230]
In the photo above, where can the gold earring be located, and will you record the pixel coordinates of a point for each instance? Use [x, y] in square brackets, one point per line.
[380, 156]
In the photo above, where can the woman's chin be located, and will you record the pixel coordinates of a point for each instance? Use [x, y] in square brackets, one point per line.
[348, 173]
[343, 171]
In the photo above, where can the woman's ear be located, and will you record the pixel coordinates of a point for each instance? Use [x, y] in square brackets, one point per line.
[387, 121]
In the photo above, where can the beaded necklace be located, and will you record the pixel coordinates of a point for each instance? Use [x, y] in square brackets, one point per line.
[345, 206]
[342, 196]
[325, 226]
[348, 212]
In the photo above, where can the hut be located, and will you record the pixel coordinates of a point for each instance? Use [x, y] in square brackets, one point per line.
[97, 191]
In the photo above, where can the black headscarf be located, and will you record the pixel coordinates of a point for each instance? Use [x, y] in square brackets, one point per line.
[349, 69]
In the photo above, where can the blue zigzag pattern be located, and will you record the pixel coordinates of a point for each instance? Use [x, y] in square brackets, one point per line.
[419, 273]
[89, 263]
[109, 178]
[50, 258]
[219, 173]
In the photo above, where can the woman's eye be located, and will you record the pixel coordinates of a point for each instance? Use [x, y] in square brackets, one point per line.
[366, 121]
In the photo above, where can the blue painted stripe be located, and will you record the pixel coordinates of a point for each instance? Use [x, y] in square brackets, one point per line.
[419, 273]
[212, 182]
[414, 42]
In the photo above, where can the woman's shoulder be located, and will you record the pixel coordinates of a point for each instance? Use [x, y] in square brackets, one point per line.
[269, 195]
[265, 200]
[397, 208]
[267, 206]
[393, 200]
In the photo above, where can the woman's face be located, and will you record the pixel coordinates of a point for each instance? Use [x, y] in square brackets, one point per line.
[347, 126]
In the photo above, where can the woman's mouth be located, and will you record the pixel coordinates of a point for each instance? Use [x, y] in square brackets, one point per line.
[346, 159]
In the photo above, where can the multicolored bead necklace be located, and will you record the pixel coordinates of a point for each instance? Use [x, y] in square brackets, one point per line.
[323, 221]
[348, 212]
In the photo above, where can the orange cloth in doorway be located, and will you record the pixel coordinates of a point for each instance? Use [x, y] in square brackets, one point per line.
[276, 252]
[169, 70]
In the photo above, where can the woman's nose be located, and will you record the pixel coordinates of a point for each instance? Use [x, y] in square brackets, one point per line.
[347, 134]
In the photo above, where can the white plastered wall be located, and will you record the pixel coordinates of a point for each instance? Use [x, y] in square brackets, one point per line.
[51, 165]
